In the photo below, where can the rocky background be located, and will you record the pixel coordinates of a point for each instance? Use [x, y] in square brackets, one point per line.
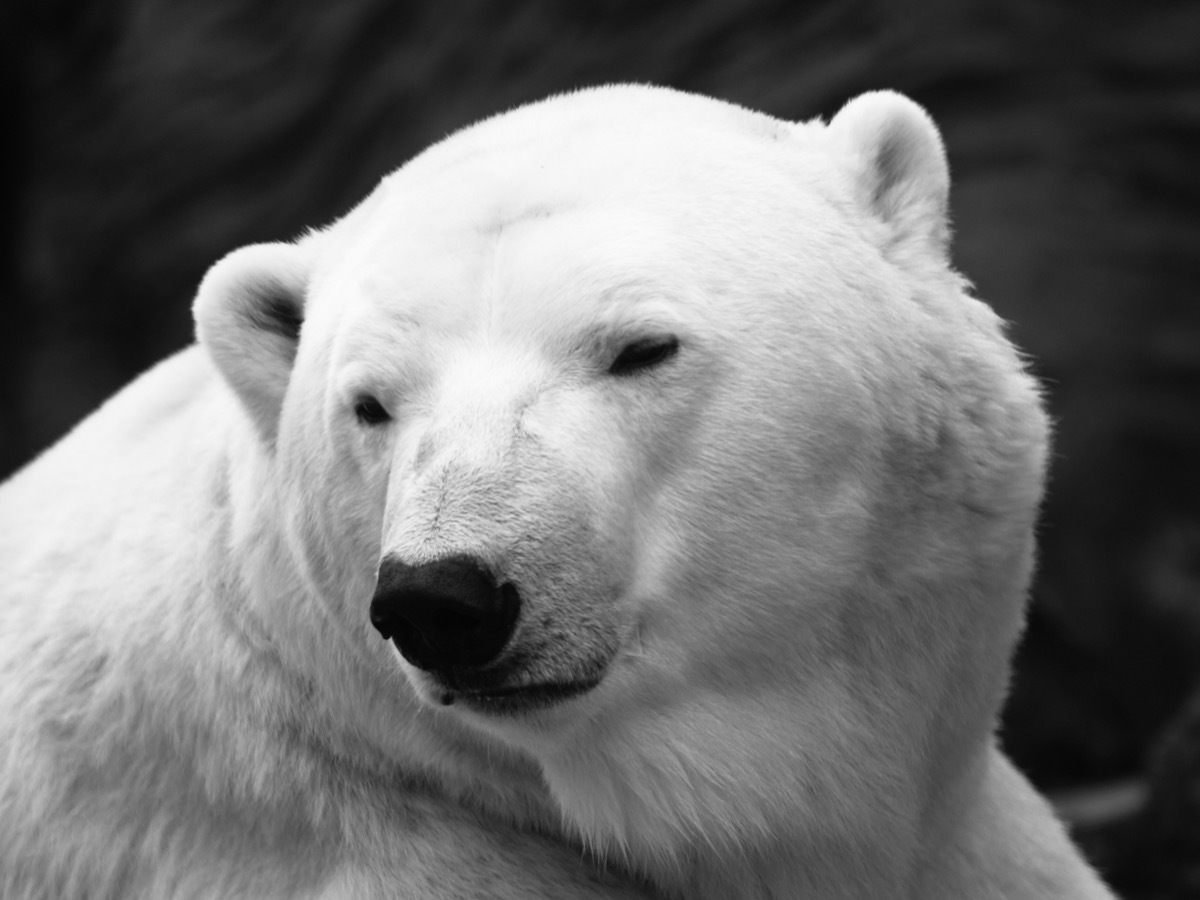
[149, 137]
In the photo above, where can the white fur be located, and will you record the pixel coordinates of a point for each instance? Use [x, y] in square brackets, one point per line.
[797, 552]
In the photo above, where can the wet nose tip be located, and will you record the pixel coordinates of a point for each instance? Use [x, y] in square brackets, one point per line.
[448, 612]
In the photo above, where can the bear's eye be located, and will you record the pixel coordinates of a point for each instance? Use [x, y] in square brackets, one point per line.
[644, 354]
[370, 411]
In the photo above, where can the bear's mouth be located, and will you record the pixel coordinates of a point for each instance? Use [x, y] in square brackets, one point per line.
[517, 698]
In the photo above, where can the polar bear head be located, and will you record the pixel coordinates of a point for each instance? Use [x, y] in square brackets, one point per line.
[665, 447]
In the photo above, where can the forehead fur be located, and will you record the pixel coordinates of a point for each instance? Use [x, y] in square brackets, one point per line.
[594, 113]
[678, 173]
[646, 148]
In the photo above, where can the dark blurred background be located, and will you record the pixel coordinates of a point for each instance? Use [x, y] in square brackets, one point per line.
[149, 137]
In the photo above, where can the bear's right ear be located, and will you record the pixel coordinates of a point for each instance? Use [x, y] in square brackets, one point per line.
[248, 313]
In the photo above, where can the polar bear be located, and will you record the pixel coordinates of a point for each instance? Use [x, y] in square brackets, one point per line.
[627, 499]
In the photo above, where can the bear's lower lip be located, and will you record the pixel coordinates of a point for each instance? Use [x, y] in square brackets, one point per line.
[518, 699]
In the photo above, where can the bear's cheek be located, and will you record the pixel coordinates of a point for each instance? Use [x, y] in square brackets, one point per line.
[749, 556]
[332, 478]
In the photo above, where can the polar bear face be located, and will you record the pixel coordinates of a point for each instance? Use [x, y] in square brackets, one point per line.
[662, 444]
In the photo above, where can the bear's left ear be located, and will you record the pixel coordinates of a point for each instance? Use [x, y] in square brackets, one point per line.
[898, 164]
[248, 313]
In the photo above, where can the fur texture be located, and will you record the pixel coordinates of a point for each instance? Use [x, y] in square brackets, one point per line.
[794, 554]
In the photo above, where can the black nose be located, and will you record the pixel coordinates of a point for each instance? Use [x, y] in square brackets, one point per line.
[449, 612]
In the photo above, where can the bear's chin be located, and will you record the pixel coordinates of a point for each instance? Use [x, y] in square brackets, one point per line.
[504, 693]
[518, 700]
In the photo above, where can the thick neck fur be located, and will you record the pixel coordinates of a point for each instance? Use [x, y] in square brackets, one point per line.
[984, 833]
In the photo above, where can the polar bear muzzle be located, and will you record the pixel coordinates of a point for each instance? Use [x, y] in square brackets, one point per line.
[446, 614]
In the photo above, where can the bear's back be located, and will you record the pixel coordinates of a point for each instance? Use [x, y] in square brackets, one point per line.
[126, 466]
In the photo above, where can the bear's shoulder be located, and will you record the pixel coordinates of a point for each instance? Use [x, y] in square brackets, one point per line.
[101, 520]
[133, 439]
